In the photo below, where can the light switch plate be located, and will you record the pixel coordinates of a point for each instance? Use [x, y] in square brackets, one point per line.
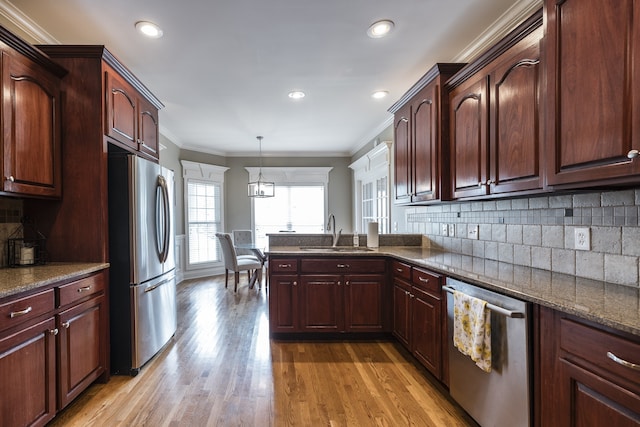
[445, 230]
[452, 230]
[472, 232]
[583, 239]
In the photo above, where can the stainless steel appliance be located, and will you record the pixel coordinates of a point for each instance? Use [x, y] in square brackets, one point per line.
[142, 284]
[501, 397]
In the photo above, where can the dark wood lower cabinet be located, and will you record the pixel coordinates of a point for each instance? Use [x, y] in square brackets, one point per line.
[417, 314]
[327, 295]
[28, 375]
[51, 349]
[82, 349]
[580, 382]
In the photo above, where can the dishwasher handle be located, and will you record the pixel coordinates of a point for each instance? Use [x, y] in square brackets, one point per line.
[494, 308]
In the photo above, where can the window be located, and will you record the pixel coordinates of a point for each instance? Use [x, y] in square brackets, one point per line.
[299, 205]
[371, 182]
[204, 209]
[297, 209]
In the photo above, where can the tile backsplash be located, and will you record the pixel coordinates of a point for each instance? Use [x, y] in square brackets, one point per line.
[540, 232]
[10, 215]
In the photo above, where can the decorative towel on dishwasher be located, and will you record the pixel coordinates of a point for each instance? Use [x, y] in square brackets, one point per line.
[472, 329]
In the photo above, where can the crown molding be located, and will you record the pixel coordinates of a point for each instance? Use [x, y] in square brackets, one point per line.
[28, 26]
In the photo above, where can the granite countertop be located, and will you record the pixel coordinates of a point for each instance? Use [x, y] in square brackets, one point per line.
[609, 304]
[21, 279]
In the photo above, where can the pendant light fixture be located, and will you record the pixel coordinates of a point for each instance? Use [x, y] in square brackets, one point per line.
[261, 188]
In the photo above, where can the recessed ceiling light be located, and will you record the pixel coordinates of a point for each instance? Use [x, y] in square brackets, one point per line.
[380, 28]
[379, 94]
[149, 29]
[296, 94]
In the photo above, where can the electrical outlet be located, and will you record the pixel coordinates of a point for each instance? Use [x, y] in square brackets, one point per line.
[445, 230]
[583, 239]
[472, 232]
[452, 230]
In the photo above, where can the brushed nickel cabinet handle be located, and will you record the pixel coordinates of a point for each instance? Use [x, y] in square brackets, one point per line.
[343, 266]
[54, 331]
[422, 279]
[284, 265]
[633, 154]
[623, 362]
[399, 270]
[21, 312]
[66, 325]
[83, 289]
[10, 178]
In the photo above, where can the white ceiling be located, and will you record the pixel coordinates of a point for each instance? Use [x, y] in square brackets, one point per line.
[224, 68]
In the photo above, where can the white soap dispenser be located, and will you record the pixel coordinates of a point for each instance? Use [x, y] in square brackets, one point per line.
[356, 239]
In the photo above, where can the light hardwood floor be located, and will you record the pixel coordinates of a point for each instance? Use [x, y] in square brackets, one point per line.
[221, 369]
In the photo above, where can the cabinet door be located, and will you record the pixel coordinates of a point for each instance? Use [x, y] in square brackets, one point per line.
[425, 144]
[28, 372]
[148, 132]
[469, 138]
[283, 302]
[364, 302]
[321, 307]
[121, 113]
[593, 75]
[402, 154]
[31, 114]
[82, 348]
[402, 311]
[594, 401]
[515, 119]
[426, 338]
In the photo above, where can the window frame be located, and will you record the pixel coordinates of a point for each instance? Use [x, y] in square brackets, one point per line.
[201, 173]
[292, 176]
[369, 168]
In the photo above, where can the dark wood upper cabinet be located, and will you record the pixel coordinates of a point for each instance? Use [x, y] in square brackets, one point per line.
[421, 138]
[495, 130]
[30, 122]
[469, 161]
[131, 119]
[593, 92]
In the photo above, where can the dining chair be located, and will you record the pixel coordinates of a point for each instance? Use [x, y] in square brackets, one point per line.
[245, 237]
[232, 262]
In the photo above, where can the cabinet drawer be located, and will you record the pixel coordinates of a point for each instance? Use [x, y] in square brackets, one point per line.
[23, 309]
[283, 265]
[74, 291]
[401, 269]
[593, 345]
[426, 280]
[342, 265]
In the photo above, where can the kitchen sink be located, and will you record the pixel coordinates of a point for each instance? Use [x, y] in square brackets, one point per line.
[335, 249]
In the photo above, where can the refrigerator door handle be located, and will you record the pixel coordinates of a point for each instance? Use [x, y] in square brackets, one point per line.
[163, 213]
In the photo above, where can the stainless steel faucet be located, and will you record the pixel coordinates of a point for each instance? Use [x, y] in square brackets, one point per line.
[332, 227]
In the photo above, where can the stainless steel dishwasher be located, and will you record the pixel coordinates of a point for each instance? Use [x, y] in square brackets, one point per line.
[502, 397]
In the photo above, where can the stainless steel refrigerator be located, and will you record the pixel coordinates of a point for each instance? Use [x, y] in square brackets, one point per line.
[142, 286]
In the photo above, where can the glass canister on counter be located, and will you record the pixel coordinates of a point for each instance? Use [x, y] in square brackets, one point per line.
[26, 246]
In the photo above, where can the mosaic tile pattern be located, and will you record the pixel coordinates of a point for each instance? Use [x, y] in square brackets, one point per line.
[539, 232]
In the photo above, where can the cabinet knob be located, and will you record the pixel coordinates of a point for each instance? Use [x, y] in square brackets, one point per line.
[10, 178]
[633, 154]
[489, 182]
[66, 325]
[481, 184]
[295, 283]
[53, 331]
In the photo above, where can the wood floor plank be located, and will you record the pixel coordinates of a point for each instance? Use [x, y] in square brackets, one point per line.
[222, 369]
